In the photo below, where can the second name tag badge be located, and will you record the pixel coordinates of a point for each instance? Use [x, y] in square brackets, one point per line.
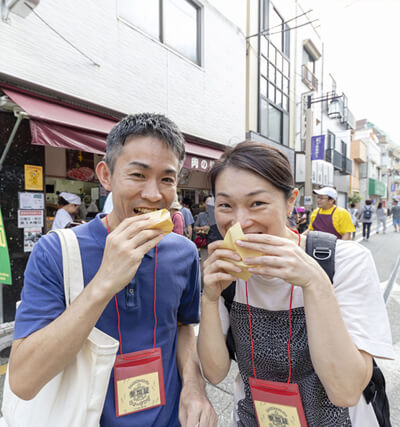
[277, 404]
[138, 381]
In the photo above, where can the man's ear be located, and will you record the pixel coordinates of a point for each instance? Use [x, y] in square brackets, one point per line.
[104, 174]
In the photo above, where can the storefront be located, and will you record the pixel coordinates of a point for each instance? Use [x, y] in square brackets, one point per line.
[57, 146]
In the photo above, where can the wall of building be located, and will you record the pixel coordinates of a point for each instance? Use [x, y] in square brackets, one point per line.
[11, 182]
[136, 72]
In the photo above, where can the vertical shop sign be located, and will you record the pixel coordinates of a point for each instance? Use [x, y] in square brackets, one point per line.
[318, 147]
[33, 177]
[5, 269]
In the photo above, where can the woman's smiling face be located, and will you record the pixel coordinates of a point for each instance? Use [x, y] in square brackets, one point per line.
[245, 197]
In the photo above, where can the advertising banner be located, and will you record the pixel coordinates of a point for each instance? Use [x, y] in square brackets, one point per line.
[5, 269]
[318, 147]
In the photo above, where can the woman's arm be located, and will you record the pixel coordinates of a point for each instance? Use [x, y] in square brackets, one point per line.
[211, 346]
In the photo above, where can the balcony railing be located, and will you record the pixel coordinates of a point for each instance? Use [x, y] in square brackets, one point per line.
[340, 162]
[309, 78]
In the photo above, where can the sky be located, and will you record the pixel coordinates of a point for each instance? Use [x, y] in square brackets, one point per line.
[361, 43]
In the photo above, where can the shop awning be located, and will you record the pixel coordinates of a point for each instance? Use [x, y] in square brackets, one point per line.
[202, 150]
[61, 126]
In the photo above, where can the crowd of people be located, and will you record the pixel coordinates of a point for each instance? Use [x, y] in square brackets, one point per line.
[291, 327]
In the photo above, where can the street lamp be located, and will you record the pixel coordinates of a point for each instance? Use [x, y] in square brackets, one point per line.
[335, 106]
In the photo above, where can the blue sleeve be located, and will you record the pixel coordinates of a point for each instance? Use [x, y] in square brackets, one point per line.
[191, 219]
[189, 308]
[42, 298]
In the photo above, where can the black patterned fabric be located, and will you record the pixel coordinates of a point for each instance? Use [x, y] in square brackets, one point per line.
[270, 335]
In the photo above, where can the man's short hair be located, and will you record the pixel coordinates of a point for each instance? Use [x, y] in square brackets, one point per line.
[144, 124]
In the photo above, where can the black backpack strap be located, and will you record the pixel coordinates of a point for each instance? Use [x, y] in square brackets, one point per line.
[228, 295]
[322, 247]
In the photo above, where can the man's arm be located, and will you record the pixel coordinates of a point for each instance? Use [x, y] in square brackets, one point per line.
[194, 406]
[38, 358]
[346, 236]
[190, 231]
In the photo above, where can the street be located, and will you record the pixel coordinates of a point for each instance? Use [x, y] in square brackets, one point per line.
[386, 250]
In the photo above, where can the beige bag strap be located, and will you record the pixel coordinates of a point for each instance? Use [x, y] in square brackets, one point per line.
[72, 264]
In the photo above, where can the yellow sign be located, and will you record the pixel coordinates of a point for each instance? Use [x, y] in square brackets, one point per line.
[138, 393]
[33, 178]
[272, 414]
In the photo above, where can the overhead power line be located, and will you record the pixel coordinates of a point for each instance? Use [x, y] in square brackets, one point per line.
[60, 35]
[279, 25]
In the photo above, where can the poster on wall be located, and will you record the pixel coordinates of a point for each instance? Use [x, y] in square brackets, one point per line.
[31, 236]
[31, 200]
[27, 219]
[33, 177]
[80, 166]
[5, 268]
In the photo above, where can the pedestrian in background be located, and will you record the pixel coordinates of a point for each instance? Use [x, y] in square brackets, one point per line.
[380, 218]
[187, 215]
[302, 219]
[69, 208]
[366, 216]
[177, 218]
[396, 214]
[331, 218]
[353, 211]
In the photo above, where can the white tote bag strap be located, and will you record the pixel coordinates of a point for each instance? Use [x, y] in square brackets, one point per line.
[72, 264]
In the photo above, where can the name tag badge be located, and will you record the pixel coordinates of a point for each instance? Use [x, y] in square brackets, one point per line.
[138, 381]
[277, 404]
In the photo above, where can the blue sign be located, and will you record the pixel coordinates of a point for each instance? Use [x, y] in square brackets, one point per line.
[393, 188]
[318, 147]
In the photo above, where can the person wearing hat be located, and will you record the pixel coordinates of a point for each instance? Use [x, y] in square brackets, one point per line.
[177, 218]
[69, 208]
[331, 218]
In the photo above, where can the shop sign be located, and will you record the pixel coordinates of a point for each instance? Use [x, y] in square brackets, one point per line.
[198, 163]
[318, 147]
[31, 200]
[33, 177]
[31, 236]
[5, 269]
[28, 218]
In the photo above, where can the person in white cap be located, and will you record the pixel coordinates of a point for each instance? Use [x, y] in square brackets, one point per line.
[69, 208]
[331, 218]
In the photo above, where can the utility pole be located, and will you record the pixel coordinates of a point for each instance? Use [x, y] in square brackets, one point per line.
[307, 149]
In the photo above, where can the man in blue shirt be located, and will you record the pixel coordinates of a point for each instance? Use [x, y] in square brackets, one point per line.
[188, 217]
[143, 158]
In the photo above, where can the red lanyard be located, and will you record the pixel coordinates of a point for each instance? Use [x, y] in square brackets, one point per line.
[154, 305]
[290, 326]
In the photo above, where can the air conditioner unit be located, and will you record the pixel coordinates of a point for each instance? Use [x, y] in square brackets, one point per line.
[21, 8]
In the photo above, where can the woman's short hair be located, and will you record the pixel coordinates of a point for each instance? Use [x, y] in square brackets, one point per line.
[368, 202]
[263, 160]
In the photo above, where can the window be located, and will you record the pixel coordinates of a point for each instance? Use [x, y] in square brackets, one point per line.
[331, 140]
[308, 61]
[275, 28]
[274, 123]
[274, 76]
[133, 12]
[175, 23]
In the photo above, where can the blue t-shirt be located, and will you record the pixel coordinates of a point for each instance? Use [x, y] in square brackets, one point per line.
[178, 300]
[187, 215]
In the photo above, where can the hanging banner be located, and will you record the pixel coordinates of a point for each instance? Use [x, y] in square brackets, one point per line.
[318, 147]
[5, 269]
[33, 177]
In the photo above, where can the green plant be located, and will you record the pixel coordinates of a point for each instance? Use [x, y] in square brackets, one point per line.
[355, 198]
